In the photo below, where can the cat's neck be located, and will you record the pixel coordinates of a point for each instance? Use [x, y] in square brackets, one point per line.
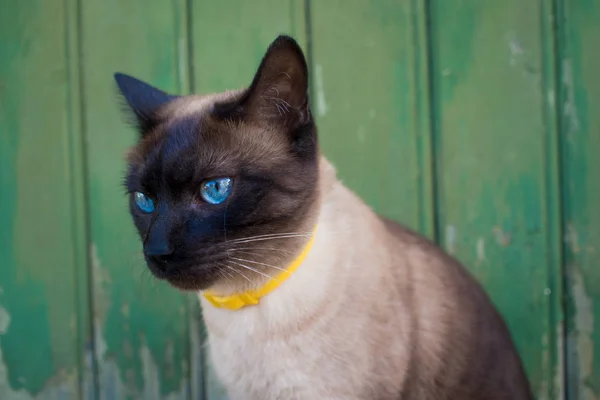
[280, 259]
[319, 284]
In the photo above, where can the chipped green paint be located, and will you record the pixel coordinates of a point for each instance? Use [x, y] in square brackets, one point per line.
[479, 116]
[579, 101]
[41, 346]
[364, 92]
[494, 187]
[141, 325]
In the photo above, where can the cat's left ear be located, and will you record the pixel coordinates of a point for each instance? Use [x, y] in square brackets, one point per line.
[279, 91]
[142, 98]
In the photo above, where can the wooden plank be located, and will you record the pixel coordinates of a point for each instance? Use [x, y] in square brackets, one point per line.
[497, 190]
[370, 93]
[44, 315]
[141, 325]
[229, 39]
[554, 347]
[580, 139]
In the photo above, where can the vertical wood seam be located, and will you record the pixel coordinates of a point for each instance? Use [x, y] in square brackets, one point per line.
[309, 50]
[185, 81]
[189, 21]
[87, 365]
[424, 117]
[553, 212]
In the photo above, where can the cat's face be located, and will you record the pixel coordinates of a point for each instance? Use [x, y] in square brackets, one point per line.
[211, 174]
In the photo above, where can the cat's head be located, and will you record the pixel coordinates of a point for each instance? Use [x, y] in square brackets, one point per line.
[223, 186]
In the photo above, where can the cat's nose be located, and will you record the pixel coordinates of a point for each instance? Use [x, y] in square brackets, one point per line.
[158, 250]
[157, 243]
[160, 259]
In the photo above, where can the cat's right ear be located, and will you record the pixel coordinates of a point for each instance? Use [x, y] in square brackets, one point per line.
[143, 100]
[278, 95]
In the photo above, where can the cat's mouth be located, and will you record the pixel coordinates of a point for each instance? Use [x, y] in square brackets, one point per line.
[186, 273]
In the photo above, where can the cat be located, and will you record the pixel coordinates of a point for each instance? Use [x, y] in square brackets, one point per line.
[306, 292]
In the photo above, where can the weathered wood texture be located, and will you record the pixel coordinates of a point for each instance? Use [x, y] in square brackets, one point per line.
[44, 318]
[140, 324]
[496, 181]
[367, 89]
[473, 122]
[579, 106]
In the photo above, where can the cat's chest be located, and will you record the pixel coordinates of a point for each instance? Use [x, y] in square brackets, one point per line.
[254, 367]
[252, 364]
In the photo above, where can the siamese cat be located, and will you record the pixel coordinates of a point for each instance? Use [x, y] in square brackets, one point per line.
[306, 293]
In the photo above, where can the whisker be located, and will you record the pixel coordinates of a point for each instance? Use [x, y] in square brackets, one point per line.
[269, 238]
[253, 253]
[284, 235]
[237, 272]
[252, 269]
[272, 234]
[259, 263]
[226, 274]
[241, 249]
[222, 274]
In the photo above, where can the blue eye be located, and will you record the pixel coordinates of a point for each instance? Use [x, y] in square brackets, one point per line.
[216, 191]
[143, 203]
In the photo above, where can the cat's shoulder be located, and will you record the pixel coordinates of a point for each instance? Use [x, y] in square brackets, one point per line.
[402, 233]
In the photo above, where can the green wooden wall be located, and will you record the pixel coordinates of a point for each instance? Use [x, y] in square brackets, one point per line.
[482, 117]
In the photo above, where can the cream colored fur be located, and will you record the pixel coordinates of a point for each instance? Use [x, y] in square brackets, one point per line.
[339, 328]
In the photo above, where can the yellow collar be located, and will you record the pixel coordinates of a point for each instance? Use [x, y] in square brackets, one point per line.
[252, 297]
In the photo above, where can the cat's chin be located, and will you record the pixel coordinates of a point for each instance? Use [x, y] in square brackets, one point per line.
[186, 279]
[190, 284]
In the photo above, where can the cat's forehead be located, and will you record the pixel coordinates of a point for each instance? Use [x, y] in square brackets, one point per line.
[189, 142]
[182, 125]
[190, 139]
[193, 105]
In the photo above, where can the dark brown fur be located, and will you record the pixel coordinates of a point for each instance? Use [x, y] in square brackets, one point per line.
[408, 322]
[263, 137]
[481, 360]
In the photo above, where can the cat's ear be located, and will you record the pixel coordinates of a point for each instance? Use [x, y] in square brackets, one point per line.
[143, 99]
[279, 91]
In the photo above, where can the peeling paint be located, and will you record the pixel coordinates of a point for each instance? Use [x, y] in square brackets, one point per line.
[100, 280]
[551, 98]
[108, 370]
[559, 376]
[542, 392]
[572, 239]
[321, 103]
[502, 237]
[59, 387]
[111, 383]
[570, 108]
[4, 320]
[196, 340]
[113, 387]
[584, 328]
[553, 386]
[450, 239]
[515, 49]
[481, 249]
[109, 375]
[151, 389]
